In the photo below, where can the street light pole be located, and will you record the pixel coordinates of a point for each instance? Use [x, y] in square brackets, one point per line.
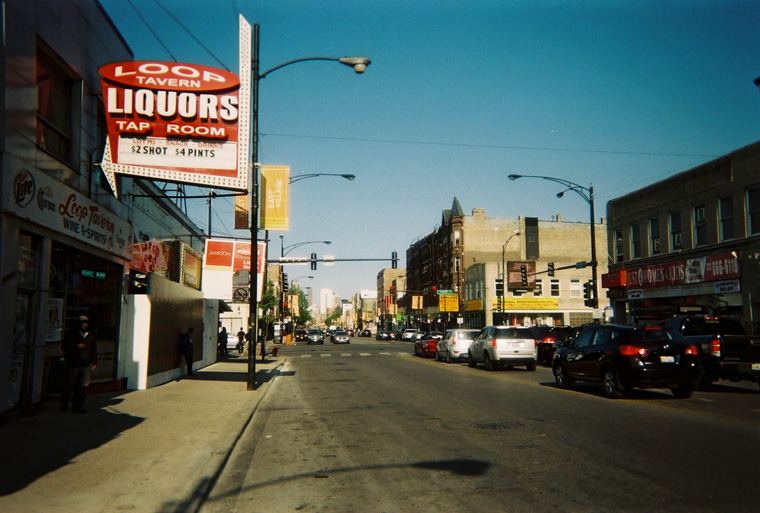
[297, 244]
[587, 193]
[503, 270]
[359, 64]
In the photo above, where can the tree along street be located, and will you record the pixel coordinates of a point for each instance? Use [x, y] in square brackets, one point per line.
[367, 427]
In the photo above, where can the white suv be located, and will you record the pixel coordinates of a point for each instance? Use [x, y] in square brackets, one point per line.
[454, 345]
[408, 335]
[504, 345]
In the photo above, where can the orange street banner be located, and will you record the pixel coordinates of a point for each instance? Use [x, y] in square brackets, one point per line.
[274, 201]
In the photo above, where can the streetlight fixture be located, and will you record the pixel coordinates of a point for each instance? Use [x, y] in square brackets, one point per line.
[298, 178]
[359, 64]
[504, 269]
[587, 193]
[297, 244]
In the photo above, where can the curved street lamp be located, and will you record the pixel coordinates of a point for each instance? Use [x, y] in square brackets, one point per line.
[587, 193]
[298, 178]
[359, 65]
[297, 244]
[504, 269]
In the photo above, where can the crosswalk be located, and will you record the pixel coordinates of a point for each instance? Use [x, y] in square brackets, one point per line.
[350, 355]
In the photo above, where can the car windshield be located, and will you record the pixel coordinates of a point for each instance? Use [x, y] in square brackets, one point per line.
[466, 335]
[339, 333]
[513, 333]
[315, 332]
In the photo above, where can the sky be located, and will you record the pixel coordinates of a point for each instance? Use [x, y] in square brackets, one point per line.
[610, 94]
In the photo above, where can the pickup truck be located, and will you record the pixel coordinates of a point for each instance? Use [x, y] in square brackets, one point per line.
[726, 351]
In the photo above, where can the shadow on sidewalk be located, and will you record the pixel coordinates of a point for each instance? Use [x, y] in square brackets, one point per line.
[39, 445]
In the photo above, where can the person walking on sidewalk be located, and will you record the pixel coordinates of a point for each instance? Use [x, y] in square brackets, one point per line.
[186, 345]
[221, 341]
[80, 354]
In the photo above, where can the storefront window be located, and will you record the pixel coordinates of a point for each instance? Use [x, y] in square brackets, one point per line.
[675, 231]
[700, 226]
[753, 211]
[726, 206]
[654, 235]
[54, 107]
[83, 284]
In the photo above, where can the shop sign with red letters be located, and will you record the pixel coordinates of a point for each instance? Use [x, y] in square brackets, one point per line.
[175, 122]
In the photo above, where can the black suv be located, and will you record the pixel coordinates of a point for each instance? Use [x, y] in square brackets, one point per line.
[622, 357]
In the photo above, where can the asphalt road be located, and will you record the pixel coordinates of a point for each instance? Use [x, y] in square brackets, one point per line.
[368, 427]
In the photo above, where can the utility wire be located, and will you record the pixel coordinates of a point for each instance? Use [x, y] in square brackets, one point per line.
[190, 34]
[495, 146]
[151, 30]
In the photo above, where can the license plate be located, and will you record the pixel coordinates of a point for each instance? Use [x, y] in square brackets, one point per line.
[667, 359]
[756, 366]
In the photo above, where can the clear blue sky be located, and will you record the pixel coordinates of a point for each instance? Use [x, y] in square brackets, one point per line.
[617, 94]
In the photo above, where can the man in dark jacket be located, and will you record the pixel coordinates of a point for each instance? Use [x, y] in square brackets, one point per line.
[80, 355]
[186, 345]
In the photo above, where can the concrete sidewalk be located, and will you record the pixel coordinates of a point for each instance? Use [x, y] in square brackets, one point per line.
[158, 450]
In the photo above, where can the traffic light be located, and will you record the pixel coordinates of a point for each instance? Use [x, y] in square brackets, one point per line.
[499, 287]
[524, 275]
[550, 265]
[313, 261]
[284, 284]
[587, 293]
[394, 260]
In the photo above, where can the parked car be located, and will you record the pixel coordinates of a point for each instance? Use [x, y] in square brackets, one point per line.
[427, 343]
[503, 346]
[622, 357]
[725, 349]
[301, 335]
[383, 335]
[340, 337]
[365, 333]
[234, 343]
[408, 335]
[546, 337]
[315, 337]
[455, 344]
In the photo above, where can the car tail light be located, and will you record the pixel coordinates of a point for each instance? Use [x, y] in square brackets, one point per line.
[692, 350]
[494, 344]
[535, 343]
[627, 350]
[715, 348]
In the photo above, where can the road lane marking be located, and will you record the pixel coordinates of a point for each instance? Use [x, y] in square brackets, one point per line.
[365, 354]
[325, 355]
[346, 354]
[305, 356]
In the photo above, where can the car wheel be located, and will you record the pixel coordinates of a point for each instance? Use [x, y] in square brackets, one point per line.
[470, 362]
[531, 367]
[683, 391]
[448, 357]
[488, 362]
[560, 376]
[610, 384]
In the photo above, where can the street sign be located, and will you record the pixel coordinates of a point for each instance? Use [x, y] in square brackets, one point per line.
[240, 295]
[444, 292]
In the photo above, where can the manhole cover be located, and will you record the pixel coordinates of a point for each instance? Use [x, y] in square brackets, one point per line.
[497, 425]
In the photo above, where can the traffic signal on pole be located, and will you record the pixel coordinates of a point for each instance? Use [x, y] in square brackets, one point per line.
[284, 284]
[550, 265]
[313, 261]
[524, 275]
[394, 260]
[587, 293]
[499, 287]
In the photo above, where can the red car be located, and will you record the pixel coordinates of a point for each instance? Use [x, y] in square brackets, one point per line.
[426, 345]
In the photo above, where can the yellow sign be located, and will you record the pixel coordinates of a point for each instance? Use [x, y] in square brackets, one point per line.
[474, 305]
[527, 303]
[274, 201]
[448, 303]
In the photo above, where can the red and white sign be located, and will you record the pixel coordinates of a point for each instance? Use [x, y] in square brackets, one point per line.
[226, 262]
[177, 122]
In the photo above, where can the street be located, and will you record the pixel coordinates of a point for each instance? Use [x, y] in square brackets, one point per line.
[368, 427]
